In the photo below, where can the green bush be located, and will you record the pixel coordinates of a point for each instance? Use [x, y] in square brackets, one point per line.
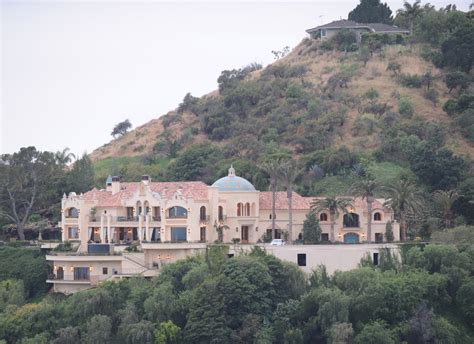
[405, 107]
[413, 81]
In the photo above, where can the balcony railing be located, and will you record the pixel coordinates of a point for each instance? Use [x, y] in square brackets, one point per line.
[156, 218]
[94, 219]
[127, 218]
[72, 216]
[205, 219]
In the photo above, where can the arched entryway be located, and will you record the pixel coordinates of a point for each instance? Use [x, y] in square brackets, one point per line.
[351, 238]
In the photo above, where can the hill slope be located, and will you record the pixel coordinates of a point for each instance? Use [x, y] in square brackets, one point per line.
[330, 110]
[319, 67]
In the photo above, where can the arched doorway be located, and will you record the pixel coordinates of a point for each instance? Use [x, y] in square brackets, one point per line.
[351, 238]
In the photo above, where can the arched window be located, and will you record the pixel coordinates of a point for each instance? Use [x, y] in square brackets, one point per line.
[73, 212]
[351, 220]
[177, 213]
[146, 207]
[247, 209]
[202, 213]
[240, 209]
[323, 217]
[221, 213]
[139, 208]
[377, 217]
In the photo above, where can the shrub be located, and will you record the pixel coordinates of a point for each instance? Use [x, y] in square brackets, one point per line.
[457, 79]
[325, 46]
[413, 81]
[364, 125]
[405, 107]
[432, 95]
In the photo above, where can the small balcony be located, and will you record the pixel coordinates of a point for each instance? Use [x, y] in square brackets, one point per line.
[204, 219]
[127, 218]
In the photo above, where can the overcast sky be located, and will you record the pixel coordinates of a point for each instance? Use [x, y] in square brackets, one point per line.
[71, 70]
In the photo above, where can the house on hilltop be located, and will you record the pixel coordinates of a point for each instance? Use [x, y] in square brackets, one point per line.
[326, 31]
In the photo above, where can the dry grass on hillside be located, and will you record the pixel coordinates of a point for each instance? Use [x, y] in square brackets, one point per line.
[321, 66]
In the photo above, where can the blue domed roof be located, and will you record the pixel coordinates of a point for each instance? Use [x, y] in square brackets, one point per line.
[233, 183]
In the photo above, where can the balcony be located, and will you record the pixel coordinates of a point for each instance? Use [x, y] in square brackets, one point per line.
[205, 219]
[71, 220]
[127, 218]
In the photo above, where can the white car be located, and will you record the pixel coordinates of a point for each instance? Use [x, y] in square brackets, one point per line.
[278, 242]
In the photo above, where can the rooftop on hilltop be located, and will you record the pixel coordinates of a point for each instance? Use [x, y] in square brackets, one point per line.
[349, 24]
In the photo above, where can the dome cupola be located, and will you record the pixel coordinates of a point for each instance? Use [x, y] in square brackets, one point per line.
[233, 183]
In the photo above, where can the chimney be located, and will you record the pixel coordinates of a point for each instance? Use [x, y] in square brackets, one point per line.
[115, 187]
[146, 179]
[108, 183]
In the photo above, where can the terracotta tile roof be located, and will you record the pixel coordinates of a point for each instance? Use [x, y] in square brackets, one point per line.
[359, 203]
[299, 202]
[196, 190]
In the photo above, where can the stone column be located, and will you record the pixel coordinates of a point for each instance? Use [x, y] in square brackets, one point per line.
[102, 234]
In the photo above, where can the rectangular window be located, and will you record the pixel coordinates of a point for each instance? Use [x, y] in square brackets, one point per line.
[73, 233]
[81, 274]
[203, 234]
[105, 271]
[324, 237]
[378, 237]
[376, 259]
[178, 233]
[323, 33]
[301, 259]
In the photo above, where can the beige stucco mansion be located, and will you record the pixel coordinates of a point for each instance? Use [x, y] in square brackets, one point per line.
[172, 220]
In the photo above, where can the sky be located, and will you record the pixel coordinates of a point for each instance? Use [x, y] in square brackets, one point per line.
[71, 70]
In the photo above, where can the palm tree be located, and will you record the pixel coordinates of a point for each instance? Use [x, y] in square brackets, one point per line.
[219, 227]
[64, 157]
[404, 198]
[288, 173]
[272, 168]
[444, 201]
[411, 12]
[334, 206]
[366, 189]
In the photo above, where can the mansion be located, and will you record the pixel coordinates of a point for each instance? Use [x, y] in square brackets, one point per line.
[172, 220]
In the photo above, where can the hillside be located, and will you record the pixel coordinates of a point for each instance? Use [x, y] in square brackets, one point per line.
[320, 66]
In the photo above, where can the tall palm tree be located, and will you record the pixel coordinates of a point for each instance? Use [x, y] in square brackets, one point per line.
[444, 201]
[64, 157]
[334, 205]
[411, 12]
[289, 171]
[366, 189]
[272, 168]
[404, 198]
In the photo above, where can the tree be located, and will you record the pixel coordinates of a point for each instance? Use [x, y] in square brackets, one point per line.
[334, 206]
[458, 49]
[444, 201]
[219, 227]
[167, 333]
[366, 189]
[371, 11]
[81, 177]
[375, 332]
[311, 229]
[404, 197]
[457, 79]
[99, 330]
[389, 232]
[272, 168]
[64, 157]
[121, 128]
[12, 292]
[288, 174]
[26, 182]
[410, 12]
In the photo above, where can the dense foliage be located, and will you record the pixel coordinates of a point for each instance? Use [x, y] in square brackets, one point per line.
[258, 298]
[371, 11]
[31, 187]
